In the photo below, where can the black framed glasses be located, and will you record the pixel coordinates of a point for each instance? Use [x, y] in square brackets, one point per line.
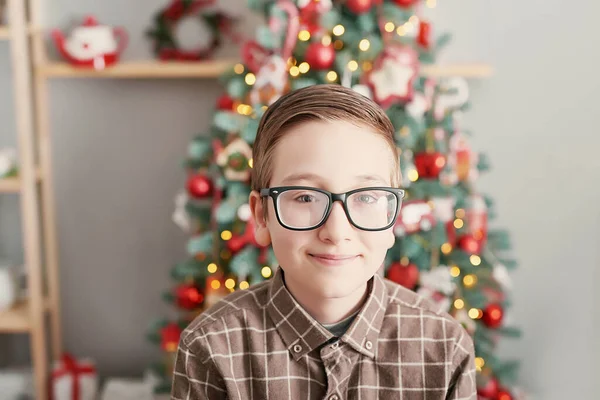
[302, 208]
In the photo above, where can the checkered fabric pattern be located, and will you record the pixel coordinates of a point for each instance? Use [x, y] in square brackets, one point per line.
[259, 343]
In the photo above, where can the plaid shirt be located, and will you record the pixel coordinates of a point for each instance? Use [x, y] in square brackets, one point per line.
[259, 343]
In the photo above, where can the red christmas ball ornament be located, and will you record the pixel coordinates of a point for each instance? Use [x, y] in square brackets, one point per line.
[225, 103]
[407, 276]
[429, 165]
[424, 36]
[320, 56]
[504, 395]
[199, 186]
[469, 244]
[189, 297]
[493, 315]
[405, 3]
[359, 6]
[489, 390]
[170, 335]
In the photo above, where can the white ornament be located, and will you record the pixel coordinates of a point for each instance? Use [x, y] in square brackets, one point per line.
[443, 302]
[439, 279]
[180, 217]
[417, 107]
[244, 213]
[8, 287]
[443, 208]
[392, 79]
[502, 276]
[8, 161]
[364, 90]
[271, 81]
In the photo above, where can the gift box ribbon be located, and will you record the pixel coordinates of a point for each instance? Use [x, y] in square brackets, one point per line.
[69, 366]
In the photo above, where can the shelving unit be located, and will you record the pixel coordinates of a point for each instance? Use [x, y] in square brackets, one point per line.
[31, 72]
[34, 188]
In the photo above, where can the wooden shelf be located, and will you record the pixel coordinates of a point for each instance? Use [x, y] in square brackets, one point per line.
[142, 69]
[17, 319]
[214, 68]
[463, 70]
[13, 184]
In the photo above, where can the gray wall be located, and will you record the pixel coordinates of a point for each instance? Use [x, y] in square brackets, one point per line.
[117, 145]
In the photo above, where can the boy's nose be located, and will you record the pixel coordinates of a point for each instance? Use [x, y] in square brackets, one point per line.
[337, 228]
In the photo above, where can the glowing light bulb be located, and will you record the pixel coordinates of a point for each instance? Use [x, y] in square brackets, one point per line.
[266, 271]
[304, 67]
[352, 65]
[338, 30]
[226, 235]
[229, 283]
[364, 45]
[244, 285]
[459, 304]
[332, 76]
[413, 175]
[212, 268]
[304, 35]
[239, 69]
[455, 271]
[475, 260]
[446, 248]
[250, 79]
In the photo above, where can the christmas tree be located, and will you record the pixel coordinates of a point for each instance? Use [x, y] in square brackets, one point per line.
[444, 249]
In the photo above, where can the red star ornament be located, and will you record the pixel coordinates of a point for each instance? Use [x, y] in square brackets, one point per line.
[392, 77]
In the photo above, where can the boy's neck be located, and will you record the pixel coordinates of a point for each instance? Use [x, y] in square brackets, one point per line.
[329, 310]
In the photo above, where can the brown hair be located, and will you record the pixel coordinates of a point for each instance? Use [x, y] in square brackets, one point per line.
[327, 102]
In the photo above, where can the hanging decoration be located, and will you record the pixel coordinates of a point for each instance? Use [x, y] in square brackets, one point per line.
[166, 44]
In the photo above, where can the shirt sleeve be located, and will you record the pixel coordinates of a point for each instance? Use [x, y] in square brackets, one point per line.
[462, 384]
[195, 376]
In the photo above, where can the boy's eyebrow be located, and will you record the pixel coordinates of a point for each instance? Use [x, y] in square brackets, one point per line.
[316, 178]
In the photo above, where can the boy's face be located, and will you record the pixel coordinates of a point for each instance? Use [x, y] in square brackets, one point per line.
[336, 259]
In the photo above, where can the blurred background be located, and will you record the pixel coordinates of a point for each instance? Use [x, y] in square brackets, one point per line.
[117, 147]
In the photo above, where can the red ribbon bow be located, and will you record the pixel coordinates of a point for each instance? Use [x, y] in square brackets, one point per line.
[69, 366]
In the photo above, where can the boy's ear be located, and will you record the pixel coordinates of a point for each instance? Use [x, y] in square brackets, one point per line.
[261, 232]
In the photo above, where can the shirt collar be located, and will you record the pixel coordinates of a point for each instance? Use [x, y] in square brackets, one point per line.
[302, 334]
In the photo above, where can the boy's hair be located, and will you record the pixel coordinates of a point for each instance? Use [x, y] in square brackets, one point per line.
[327, 102]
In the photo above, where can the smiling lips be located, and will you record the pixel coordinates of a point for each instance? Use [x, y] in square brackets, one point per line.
[333, 259]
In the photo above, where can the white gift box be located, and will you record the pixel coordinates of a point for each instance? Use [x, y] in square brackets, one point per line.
[130, 389]
[64, 374]
[16, 384]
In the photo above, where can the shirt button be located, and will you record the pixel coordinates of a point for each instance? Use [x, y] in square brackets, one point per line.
[335, 345]
[369, 345]
[334, 397]
[297, 348]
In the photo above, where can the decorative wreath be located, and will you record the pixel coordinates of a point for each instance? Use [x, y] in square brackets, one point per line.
[165, 20]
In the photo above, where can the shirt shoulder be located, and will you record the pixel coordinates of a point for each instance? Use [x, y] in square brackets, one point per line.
[421, 317]
[232, 307]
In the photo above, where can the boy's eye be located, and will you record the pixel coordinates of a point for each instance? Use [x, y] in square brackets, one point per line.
[366, 198]
[305, 198]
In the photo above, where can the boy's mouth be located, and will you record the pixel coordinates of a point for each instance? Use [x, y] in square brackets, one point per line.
[333, 259]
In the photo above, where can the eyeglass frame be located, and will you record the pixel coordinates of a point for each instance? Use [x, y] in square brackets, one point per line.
[275, 192]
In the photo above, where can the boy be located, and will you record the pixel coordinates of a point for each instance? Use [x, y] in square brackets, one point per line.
[326, 325]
